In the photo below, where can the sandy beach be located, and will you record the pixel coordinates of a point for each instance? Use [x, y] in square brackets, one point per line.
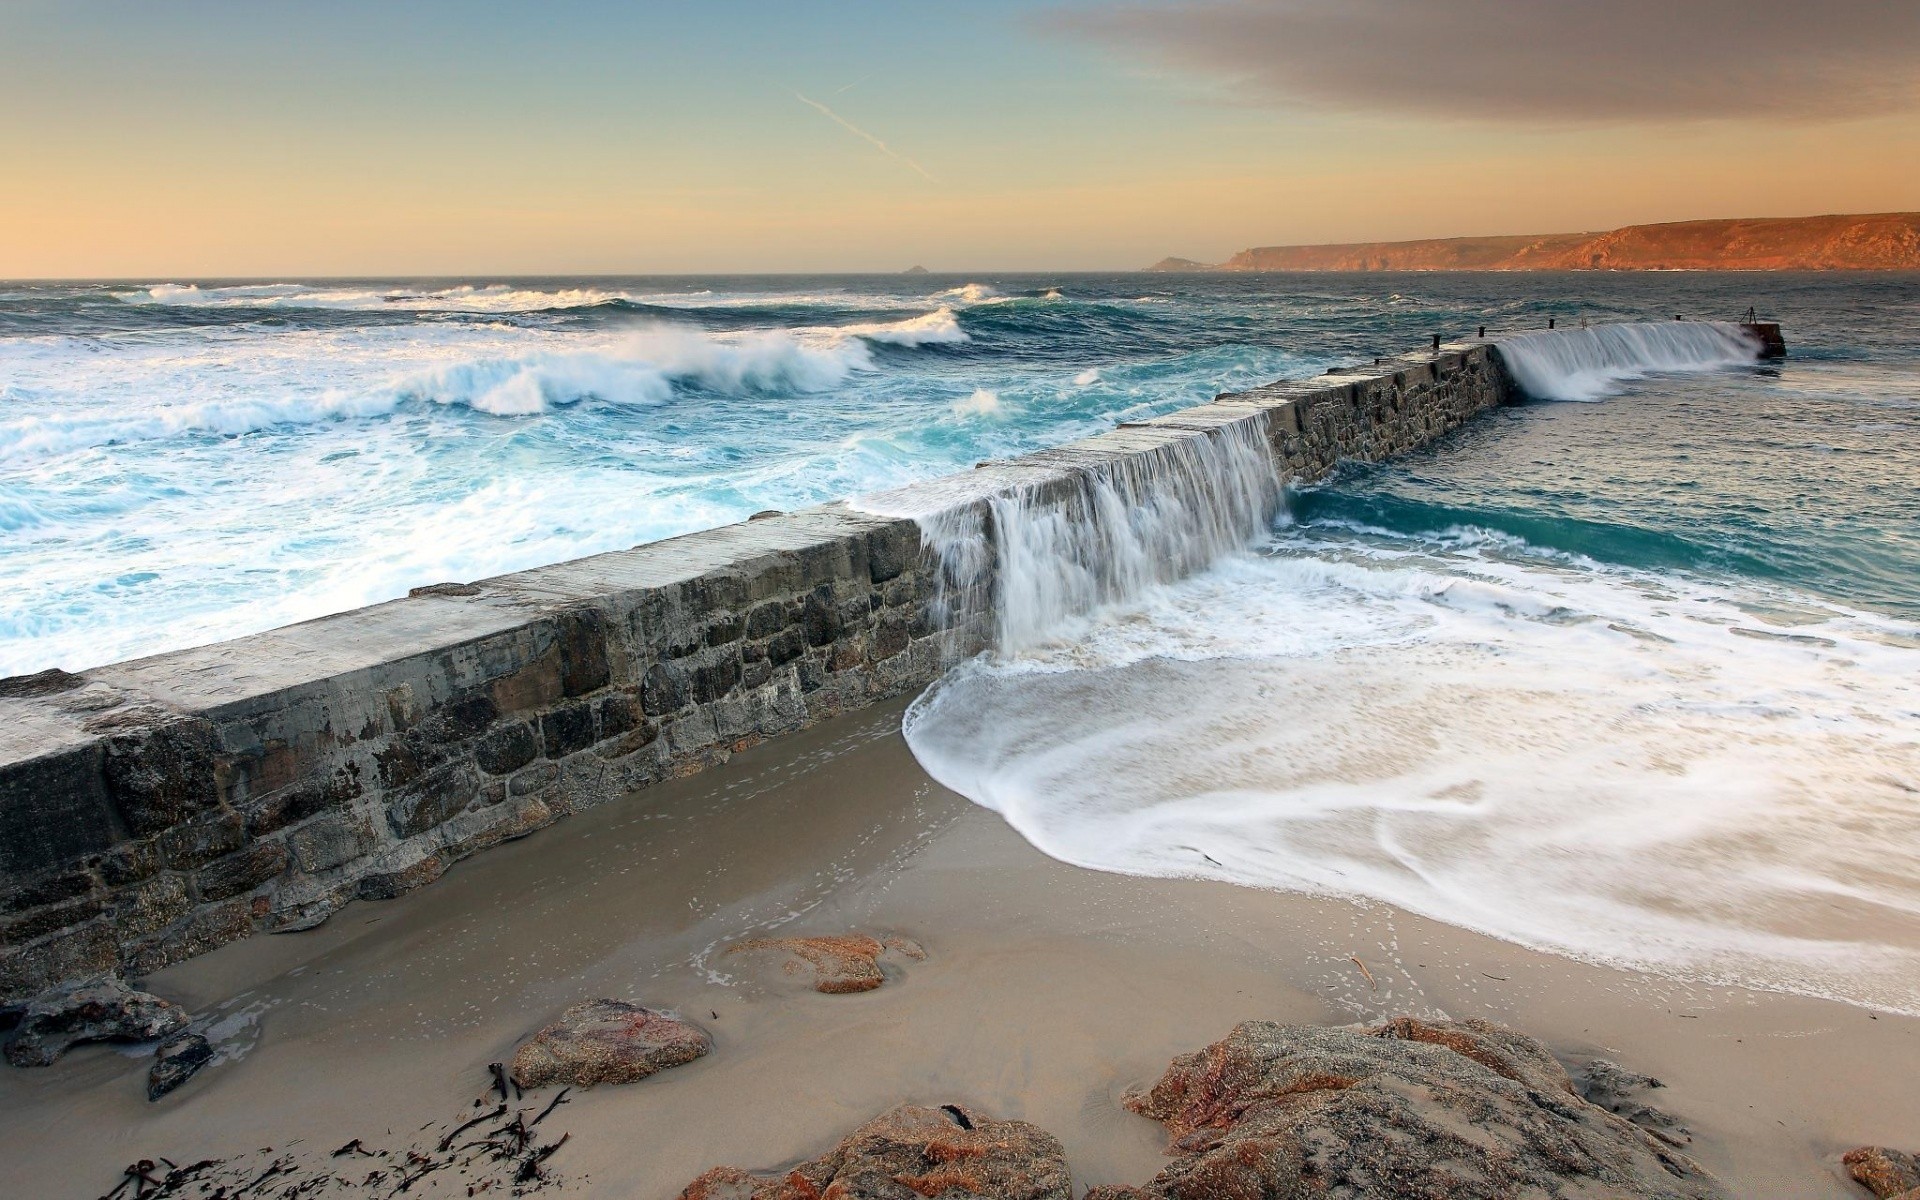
[1047, 991]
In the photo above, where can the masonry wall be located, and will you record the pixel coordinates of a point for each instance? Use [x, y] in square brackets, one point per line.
[153, 810]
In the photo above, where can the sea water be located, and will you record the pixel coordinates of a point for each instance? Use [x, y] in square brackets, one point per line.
[1626, 673]
[1630, 673]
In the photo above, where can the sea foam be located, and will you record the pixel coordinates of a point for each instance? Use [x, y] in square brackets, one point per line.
[1621, 767]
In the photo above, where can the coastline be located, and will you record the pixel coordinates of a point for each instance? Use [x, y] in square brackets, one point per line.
[1048, 990]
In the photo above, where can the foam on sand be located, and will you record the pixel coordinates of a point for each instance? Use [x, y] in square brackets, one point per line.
[1618, 766]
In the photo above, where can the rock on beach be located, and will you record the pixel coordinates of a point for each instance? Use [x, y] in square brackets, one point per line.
[176, 1061]
[1409, 1110]
[607, 1041]
[1888, 1174]
[911, 1152]
[105, 1010]
[836, 964]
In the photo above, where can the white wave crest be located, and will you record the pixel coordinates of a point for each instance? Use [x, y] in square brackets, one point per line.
[937, 328]
[982, 403]
[643, 367]
[478, 298]
[973, 293]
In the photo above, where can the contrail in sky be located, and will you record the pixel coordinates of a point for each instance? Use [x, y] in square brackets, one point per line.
[879, 145]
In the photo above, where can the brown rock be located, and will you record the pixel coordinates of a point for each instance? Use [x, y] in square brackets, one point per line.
[1889, 1174]
[910, 1152]
[607, 1041]
[1406, 1111]
[847, 963]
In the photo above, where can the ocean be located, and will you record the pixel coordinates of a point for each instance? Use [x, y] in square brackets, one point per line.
[1630, 673]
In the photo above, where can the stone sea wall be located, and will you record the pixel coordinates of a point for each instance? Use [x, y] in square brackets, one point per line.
[153, 810]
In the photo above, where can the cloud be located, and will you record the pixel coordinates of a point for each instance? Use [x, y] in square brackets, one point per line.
[1554, 61]
[879, 145]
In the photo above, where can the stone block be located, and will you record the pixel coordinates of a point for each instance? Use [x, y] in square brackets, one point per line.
[537, 778]
[725, 629]
[507, 749]
[203, 930]
[820, 618]
[531, 687]
[891, 551]
[711, 680]
[18, 931]
[306, 799]
[431, 799]
[890, 636]
[242, 872]
[662, 691]
[87, 951]
[54, 809]
[568, 729]
[386, 884]
[618, 713]
[332, 841]
[460, 718]
[516, 820]
[582, 638]
[51, 889]
[788, 645]
[162, 774]
[199, 842]
[766, 620]
[151, 906]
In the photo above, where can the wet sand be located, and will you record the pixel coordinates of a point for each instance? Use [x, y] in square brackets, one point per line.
[1048, 991]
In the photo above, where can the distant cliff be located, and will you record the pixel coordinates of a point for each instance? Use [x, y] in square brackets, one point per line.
[1878, 242]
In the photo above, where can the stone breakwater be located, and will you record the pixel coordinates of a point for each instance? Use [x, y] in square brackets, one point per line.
[155, 809]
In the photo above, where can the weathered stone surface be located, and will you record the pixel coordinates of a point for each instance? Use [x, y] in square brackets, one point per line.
[607, 1041]
[432, 799]
[86, 951]
[568, 729]
[949, 1153]
[1888, 1174]
[1621, 1092]
[160, 775]
[152, 906]
[175, 1062]
[242, 872]
[205, 929]
[387, 883]
[835, 965]
[1410, 1110]
[304, 799]
[200, 841]
[41, 922]
[104, 1011]
[507, 749]
[53, 809]
[332, 840]
[51, 889]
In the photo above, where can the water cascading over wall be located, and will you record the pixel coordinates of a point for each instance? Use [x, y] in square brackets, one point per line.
[1021, 565]
[1583, 364]
[153, 810]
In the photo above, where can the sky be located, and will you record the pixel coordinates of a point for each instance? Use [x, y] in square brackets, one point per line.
[213, 138]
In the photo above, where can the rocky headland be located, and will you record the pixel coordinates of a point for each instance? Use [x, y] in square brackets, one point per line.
[1874, 242]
